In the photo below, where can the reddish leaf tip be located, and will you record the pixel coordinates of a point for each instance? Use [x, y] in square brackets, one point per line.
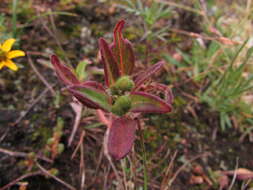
[119, 26]
[63, 72]
[54, 59]
[102, 41]
[110, 65]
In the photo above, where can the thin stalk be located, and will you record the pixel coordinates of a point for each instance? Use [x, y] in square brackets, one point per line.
[221, 81]
[123, 166]
[14, 18]
[144, 156]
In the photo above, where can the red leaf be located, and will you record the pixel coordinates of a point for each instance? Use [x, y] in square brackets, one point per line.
[91, 96]
[147, 74]
[122, 50]
[110, 65]
[63, 72]
[121, 137]
[148, 103]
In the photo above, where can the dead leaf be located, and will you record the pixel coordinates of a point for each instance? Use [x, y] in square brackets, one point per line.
[241, 173]
[196, 180]
[226, 41]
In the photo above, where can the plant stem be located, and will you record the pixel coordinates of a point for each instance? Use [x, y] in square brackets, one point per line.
[124, 167]
[144, 156]
[14, 18]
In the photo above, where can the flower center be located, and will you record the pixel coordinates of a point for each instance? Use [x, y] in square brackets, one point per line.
[3, 56]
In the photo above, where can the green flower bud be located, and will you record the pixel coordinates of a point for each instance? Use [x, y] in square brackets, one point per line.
[122, 105]
[123, 84]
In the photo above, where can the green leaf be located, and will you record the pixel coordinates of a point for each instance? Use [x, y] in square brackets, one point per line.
[80, 70]
[173, 61]
[249, 53]
[148, 103]
[91, 97]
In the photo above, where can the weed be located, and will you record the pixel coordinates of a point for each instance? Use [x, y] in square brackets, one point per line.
[150, 13]
[224, 93]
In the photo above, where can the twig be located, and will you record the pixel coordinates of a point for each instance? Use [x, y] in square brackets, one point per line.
[40, 76]
[144, 158]
[21, 117]
[38, 53]
[82, 167]
[153, 184]
[78, 145]
[23, 155]
[98, 164]
[51, 18]
[185, 164]
[245, 185]
[220, 39]
[5, 134]
[123, 166]
[204, 10]
[55, 38]
[77, 107]
[102, 118]
[165, 180]
[21, 178]
[234, 176]
[110, 159]
[54, 177]
[106, 177]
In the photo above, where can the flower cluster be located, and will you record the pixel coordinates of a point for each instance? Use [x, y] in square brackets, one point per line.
[122, 94]
[6, 54]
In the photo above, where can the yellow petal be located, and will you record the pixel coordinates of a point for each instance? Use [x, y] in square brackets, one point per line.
[15, 53]
[11, 65]
[8, 44]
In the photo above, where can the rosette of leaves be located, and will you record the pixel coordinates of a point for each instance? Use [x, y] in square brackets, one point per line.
[121, 94]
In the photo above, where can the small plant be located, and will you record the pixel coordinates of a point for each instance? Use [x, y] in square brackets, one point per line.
[54, 147]
[224, 94]
[150, 12]
[6, 55]
[122, 95]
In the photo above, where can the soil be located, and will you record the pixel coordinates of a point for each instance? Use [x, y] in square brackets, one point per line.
[191, 130]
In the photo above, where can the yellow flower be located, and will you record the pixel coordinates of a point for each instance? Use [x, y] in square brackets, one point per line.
[6, 55]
